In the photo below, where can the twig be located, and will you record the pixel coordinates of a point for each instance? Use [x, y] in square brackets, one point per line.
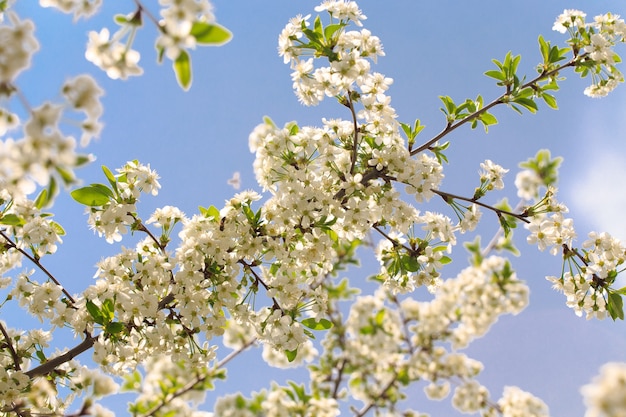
[39, 265]
[49, 366]
[500, 100]
[16, 358]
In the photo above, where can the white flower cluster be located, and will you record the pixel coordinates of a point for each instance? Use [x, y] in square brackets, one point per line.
[113, 218]
[177, 33]
[45, 150]
[586, 287]
[601, 36]
[108, 53]
[18, 44]
[80, 8]
[178, 19]
[415, 335]
[606, 395]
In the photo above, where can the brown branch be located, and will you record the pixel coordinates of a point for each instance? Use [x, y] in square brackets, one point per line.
[39, 265]
[16, 358]
[49, 366]
[355, 143]
[446, 196]
[198, 380]
[500, 100]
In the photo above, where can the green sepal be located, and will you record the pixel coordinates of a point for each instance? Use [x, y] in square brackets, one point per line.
[291, 354]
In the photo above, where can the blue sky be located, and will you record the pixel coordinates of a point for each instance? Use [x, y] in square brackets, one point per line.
[197, 139]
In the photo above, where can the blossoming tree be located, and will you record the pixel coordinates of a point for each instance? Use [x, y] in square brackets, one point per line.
[264, 268]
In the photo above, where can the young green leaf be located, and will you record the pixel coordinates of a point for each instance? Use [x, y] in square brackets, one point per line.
[94, 312]
[210, 33]
[92, 195]
[11, 219]
[42, 199]
[615, 305]
[182, 68]
[321, 324]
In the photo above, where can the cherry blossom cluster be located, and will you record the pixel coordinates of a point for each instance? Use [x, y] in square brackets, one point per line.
[604, 397]
[588, 273]
[183, 26]
[595, 42]
[421, 342]
[45, 151]
[263, 271]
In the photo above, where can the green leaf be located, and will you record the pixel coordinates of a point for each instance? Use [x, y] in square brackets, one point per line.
[110, 176]
[212, 212]
[94, 312]
[268, 121]
[108, 310]
[66, 176]
[488, 119]
[42, 199]
[53, 189]
[449, 103]
[182, 68]
[528, 103]
[91, 196]
[550, 100]
[114, 327]
[544, 47]
[12, 220]
[475, 251]
[330, 30]
[210, 33]
[321, 324]
[615, 305]
[58, 229]
[498, 75]
[410, 263]
[132, 382]
[41, 356]
[317, 26]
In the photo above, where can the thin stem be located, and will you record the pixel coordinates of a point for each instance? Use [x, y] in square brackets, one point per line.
[446, 196]
[198, 380]
[392, 240]
[355, 143]
[496, 236]
[16, 358]
[49, 366]
[371, 404]
[259, 280]
[39, 265]
[140, 226]
[142, 9]
[500, 100]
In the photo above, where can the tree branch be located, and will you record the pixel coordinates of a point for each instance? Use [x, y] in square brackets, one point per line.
[49, 366]
[500, 100]
[39, 265]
